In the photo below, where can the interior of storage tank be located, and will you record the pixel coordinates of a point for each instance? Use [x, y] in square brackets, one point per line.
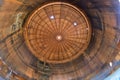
[59, 39]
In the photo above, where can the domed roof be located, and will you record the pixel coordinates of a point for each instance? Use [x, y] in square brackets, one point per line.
[57, 32]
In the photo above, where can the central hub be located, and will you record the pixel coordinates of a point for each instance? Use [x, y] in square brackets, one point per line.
[41, 32]
[58, 37]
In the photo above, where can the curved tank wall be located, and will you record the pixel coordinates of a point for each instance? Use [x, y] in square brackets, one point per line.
[104, 17]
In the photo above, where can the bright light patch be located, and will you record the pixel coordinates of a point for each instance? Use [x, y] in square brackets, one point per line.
[59, 37]
[119, 0]
[110, 64]
[75, 24]
[52, 17]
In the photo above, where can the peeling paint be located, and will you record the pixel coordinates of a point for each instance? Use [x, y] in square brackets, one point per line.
[18, 22]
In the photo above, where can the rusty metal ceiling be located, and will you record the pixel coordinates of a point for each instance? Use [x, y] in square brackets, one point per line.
[104, 17]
